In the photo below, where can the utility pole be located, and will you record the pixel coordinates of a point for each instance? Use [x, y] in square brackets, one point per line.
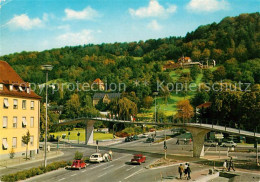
[155, 93]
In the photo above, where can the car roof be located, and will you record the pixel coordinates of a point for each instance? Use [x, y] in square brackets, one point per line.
[96, 154]
[138, 155]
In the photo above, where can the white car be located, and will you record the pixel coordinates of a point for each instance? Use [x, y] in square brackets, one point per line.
[229, 144]
[96, 157]
[144, 135]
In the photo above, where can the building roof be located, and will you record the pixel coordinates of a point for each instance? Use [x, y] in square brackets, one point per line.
[98, 81]
[9, 77]
[204, 105]
[110, 95]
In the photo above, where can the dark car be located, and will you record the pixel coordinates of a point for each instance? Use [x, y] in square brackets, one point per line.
[78, 164]
[135, 137]
[128, 139]
[150, 140]
[138, 159]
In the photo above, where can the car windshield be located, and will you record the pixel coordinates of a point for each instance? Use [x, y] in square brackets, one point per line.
[94, 156]
[137, 157]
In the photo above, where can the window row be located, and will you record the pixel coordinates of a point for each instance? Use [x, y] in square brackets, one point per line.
[15, 104]
[15, 122]
[14, 143]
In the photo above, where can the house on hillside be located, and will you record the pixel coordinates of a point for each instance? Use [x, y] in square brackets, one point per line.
[170, 65]
[184, 60]
[106, 97]
[100, 85]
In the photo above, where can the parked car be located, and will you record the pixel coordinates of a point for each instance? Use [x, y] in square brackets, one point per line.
[229, 144]
[128, 139]
[211, 143]
[78, 164]
[135, 137]
[144, 135]
[138, 159]
[150, 140]
[96, 157]
[152, 130]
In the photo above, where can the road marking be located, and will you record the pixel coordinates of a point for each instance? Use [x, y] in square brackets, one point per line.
[102, 175]
[61, 179]
[74, 174]
[130, 168]
[108, 167]
[83, 171]
[133, 174]
[120, 167]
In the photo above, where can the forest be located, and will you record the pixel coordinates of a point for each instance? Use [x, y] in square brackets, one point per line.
[234, 43]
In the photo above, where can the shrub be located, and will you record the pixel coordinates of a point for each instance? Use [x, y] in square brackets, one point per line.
[78, 155]
[22, 175]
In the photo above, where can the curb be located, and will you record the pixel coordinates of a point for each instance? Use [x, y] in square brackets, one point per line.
[29, 162]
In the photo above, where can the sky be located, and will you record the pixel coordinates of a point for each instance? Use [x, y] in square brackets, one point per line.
[37, 25]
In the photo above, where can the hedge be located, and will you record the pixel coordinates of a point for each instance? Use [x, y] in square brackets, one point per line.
[22, 175]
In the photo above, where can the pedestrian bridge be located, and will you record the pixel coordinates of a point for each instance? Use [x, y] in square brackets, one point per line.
[198, 130]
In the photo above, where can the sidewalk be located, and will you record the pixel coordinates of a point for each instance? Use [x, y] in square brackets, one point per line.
[8, 163]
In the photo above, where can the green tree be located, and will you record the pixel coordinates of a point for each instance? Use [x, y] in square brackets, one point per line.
[194, 72]
[72, 106]
[26, 139]
[147, 102]
[219, 73]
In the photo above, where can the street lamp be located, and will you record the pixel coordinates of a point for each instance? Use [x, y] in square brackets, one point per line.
[46, 68]
[155, 93]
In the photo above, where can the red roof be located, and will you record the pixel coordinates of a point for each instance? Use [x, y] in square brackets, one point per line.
[98, 81]
[9, 77]
[204, 105]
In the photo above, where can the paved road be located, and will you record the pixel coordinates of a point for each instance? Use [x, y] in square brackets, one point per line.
[117, 170]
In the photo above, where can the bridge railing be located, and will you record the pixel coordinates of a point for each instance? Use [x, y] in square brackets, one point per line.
[209, 123]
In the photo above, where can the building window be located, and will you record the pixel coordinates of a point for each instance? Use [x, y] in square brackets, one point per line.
[14, 144]
[32, 105]
[31, 140]
[1, 86]
[5, 120]
[32, 122]
[14, 122]
[24, 104]
[15, 104]
[11, 87]
[6, 103]
[4, 144]
[24, 123]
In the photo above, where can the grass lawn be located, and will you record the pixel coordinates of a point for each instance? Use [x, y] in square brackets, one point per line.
[170, 107]
[73, 135]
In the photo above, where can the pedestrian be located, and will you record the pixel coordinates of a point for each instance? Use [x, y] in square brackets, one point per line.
[180, 169]
[110, 154]
[190, 140]
[178, 142]
[185, 170]
[225, 165]
[231, 164]
[188, 171]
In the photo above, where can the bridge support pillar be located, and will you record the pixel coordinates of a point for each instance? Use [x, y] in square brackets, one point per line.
[89, 131]
[198, 136]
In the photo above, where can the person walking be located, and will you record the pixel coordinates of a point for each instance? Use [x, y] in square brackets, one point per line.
[185, 170]
[180, 169]
[178, 142]
[231, 164]
[225, 165]
[188, 171]
[110, 154]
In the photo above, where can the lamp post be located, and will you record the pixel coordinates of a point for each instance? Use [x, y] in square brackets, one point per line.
[155, 93]
[46, 68]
